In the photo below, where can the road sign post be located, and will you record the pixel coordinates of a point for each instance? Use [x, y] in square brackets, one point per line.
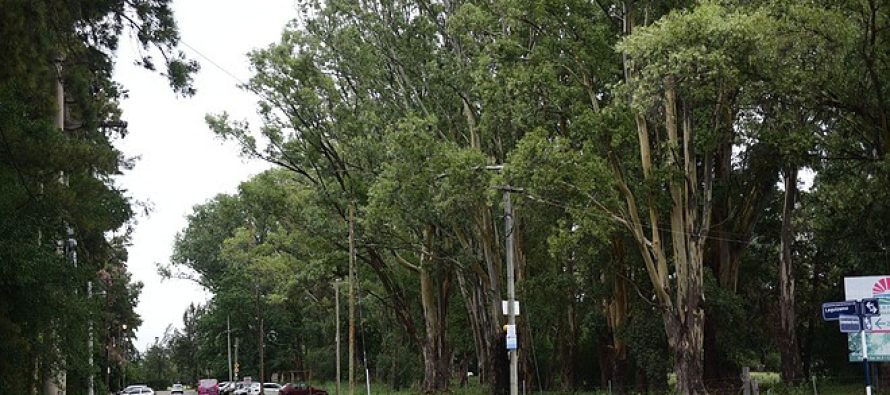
[855, 316]
[865, 361]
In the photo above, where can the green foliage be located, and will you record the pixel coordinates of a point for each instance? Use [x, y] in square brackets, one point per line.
[400, 109]
[42, 294]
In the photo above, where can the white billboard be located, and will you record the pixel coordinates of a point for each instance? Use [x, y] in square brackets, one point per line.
[856, 288]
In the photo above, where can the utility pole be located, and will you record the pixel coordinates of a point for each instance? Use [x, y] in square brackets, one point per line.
[511, 289]
[229, 344]
[352, 287]
[237, 366]
[262, 335]
[337, 324]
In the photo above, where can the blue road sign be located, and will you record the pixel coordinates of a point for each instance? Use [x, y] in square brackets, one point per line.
[850, 323]
[832, 311]
[870, 307]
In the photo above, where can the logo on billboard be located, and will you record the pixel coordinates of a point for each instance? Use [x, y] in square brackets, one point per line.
[881, 289]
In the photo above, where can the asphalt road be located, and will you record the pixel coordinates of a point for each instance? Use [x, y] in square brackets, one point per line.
[187, 392]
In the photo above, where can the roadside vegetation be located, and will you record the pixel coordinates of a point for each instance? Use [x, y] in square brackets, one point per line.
[687, 182]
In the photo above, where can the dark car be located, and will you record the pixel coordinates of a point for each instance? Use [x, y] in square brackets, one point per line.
[300, 389]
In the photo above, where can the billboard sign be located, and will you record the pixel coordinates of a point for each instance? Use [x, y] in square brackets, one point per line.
[876, 289]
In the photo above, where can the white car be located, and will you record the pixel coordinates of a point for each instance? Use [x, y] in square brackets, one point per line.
[140, 390]
[254, 389]
[176, 389]
[130, 388]
[240, 389]
[271, 388]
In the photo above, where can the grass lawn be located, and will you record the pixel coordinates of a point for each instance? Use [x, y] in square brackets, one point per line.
[770, 383]
[474, 388]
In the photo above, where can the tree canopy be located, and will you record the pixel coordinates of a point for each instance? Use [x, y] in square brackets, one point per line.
[65, 222]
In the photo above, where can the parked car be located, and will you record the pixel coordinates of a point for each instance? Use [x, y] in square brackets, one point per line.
[271, 388]
[300, 389]
[139, 390]
[208, 387]
[230, 388]
[240, 389]
[255, 389]
[129, 388]
[176, 389]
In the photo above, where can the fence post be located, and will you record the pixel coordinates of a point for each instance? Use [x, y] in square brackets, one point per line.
[746, 380]
[755, 387]
[815, 390]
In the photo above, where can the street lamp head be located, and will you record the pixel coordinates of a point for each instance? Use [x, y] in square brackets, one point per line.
[124, 326]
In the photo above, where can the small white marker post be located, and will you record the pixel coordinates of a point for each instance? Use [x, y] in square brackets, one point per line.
[865, 359]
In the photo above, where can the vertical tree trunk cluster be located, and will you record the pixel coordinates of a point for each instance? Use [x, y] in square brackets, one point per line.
[480, 286]
[788, 347]
[434, 291]
[682, 300]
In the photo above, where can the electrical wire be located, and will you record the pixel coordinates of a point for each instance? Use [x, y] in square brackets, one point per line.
[610, 217]
[217, 65]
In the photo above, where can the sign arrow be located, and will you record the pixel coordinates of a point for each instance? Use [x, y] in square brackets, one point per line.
[870, 307]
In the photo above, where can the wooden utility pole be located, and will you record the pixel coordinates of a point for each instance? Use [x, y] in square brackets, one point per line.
[352, 287]
[337, 324]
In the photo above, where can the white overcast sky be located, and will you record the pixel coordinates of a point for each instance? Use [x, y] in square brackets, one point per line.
[182, 164]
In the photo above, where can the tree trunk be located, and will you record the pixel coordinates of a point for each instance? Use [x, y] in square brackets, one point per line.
[476, 303]
[737, 210]
[434, 293]
[617, 314]
[686, 340]
[491, 281]
[399, 301]
[680, 292]
[480, 287]
[568, 349]
[791, 366]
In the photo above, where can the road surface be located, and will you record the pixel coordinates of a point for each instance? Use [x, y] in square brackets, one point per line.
[187, 392]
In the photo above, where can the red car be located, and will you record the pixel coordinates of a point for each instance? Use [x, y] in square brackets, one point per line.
[300, 389]
[208, 387]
